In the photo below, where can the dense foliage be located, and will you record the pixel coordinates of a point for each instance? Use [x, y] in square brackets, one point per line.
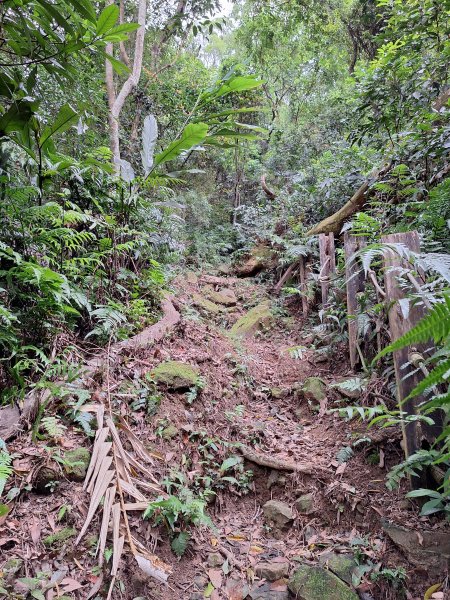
[314, 96]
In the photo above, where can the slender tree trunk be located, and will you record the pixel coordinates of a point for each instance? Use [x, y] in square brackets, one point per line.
[117, 101]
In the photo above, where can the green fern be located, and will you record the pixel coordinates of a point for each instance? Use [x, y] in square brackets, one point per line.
[53, 427]
[435, 325]
[5, 465]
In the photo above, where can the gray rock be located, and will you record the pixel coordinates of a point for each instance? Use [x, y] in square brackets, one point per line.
[278, 513]
[430, 549]
[313, 388]
[272, 570]
[200, 582]
[264, 592]
[305, 504]
[215, 559]
[315, 583]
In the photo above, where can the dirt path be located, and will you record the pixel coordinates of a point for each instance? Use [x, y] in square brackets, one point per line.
[251, 391]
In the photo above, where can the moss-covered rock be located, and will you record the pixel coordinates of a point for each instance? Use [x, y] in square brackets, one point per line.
[313, 388]
[342, 565]
[56, 539]
[175, 375]
[191, 278]
[261, 257]
[205, 305]
[305, 504]
[249, 323]
[315, 583]
[225, 297]
[76, 463]
[169, 432]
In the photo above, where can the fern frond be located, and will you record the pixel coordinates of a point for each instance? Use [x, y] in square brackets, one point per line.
[53, 427]
[435, 325]
[5, 467]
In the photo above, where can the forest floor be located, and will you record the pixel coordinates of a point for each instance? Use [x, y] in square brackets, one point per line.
[258, 394]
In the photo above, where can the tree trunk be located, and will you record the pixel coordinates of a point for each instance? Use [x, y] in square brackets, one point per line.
[116, 102]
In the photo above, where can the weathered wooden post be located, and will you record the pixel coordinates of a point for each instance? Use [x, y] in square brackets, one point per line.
[327, 263]
[303, 285]
[354, 278]
[407, 376]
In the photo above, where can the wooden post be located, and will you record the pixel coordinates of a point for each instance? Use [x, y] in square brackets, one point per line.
[327, 263]
[354, 278]
[303, 285]
[405, 376]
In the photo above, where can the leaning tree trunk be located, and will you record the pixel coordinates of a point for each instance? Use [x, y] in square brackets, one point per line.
[116, 102]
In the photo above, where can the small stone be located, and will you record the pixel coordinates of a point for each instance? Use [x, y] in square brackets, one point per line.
[215, 560]
[76, 463]
[313, 388]
[169, 432]
[278, 393]
[315, 583]
[305, 504]
[309, 533]
[266, 592]
[279, 513]
[200, 582]
[55, 539]
[272, 570]
[44, 477]
[176, 375]
[273, 478]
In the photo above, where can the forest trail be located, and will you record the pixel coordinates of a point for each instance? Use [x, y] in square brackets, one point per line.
[306, 493]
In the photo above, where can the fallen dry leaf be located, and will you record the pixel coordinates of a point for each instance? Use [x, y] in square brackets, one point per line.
[215, 576]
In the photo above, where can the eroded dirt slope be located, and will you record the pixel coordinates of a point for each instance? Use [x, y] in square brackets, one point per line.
[254, 400]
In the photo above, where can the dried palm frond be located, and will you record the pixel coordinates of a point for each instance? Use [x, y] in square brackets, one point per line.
[111, 476]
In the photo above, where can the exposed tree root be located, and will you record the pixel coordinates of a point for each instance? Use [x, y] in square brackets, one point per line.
[279, 464]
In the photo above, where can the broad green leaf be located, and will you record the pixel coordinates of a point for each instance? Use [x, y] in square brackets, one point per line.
[4, 510]
[230, 462]
[107, 19]
[64, 119]
[192, 135]
[16, 117]
[119, 67]
[85, 8]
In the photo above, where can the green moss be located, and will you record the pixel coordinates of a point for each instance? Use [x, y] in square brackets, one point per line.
[250, 323]
[76, 463]
[205, 304]
[169, 432]
[176, 375]
[313, 388]
[315, 583]
[60, 537]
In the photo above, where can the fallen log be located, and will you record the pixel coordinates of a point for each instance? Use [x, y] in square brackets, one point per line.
[269, 193]
[333, 223]
[286, 275]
